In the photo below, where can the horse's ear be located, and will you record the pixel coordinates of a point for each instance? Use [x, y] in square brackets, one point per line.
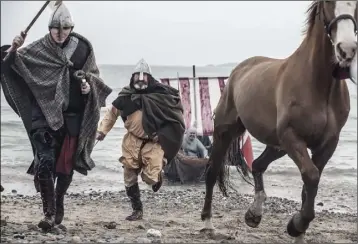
[319, 6]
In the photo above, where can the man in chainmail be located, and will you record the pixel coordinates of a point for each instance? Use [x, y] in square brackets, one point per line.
[153, 116]
[53, 84]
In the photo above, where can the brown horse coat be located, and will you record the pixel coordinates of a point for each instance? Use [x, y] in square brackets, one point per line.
[293, 104]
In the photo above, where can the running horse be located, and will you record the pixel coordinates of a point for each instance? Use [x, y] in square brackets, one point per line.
[290, 105]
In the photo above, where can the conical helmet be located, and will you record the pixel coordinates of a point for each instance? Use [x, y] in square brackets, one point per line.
[141, 68]
[60, 16]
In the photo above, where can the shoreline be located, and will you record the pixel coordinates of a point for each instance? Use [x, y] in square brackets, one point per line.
[99, 217]
[335, 195]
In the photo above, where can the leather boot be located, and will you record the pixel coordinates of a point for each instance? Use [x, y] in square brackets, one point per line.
[47, 190]
[134, 195]
[63, 183]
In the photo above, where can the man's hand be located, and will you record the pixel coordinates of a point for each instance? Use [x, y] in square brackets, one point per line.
[17, 42]
[155, 139]
[100, 136]
[85, 88]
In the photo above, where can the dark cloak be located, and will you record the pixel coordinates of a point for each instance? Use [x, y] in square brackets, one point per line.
[37, 63]
[162, 113]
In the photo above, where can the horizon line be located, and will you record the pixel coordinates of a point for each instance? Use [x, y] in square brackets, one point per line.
[172, 65]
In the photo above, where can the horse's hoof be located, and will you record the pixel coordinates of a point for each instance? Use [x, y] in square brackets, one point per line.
[252, 220]
[291, 229]
[205, 215]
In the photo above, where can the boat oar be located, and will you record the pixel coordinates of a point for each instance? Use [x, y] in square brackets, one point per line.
[24, 33]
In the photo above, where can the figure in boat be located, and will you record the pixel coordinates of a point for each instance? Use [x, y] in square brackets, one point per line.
[192, 146]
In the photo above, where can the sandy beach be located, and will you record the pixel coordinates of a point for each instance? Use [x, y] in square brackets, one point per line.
[95, 216]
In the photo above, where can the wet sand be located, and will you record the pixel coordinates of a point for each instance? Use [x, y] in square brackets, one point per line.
[95, 216]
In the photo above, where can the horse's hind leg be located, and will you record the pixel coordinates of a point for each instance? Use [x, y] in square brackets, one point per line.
[254, 213]
[299, 223]
[223, 135]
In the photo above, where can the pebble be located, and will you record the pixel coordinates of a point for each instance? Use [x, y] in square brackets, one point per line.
[59, 237]
[51, 236]
[19, 236]
[111, 225]
[154, 233]
[141, 227]
[76, 239]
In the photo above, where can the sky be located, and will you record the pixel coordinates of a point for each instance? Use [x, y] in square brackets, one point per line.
[171, 33]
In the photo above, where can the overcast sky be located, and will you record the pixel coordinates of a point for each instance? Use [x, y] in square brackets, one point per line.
[171, 33]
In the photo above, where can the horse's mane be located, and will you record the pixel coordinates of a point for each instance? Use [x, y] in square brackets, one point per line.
[311, 12]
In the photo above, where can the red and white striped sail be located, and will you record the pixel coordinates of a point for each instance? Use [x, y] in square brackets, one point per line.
[207, 93]
[246, 149]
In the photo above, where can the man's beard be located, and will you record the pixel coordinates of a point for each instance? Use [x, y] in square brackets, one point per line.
[140, 85]
[191, 138]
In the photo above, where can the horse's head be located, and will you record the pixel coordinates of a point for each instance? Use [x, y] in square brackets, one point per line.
[340, 21]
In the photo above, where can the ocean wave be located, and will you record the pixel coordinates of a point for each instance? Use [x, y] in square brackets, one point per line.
[330, 171]
[10, 124]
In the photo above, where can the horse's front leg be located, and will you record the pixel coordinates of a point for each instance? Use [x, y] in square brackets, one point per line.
[320, 158]
[297, 151]
[254, 213]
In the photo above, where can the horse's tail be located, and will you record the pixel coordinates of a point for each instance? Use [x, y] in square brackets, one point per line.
[223, 178]
[233, 157]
